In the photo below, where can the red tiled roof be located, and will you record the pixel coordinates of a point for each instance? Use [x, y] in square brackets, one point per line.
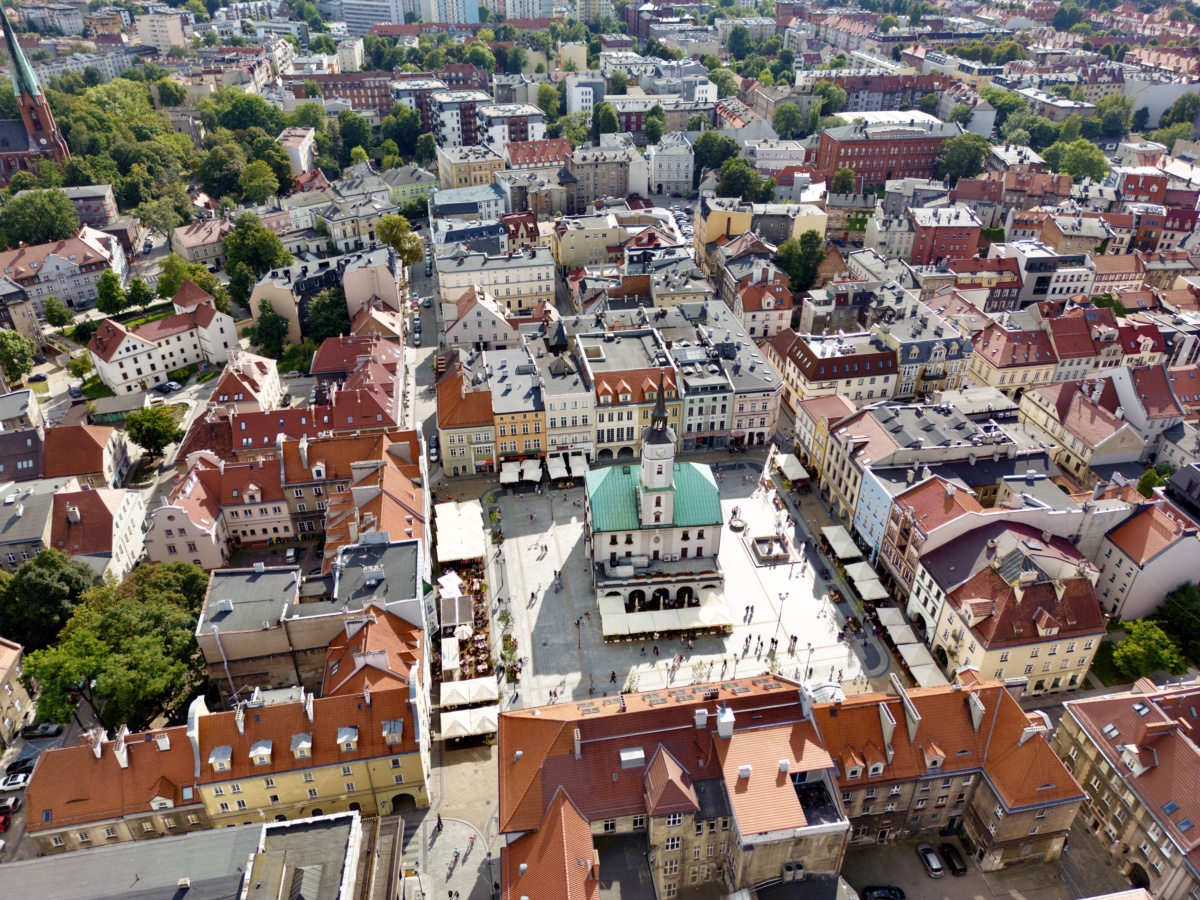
[1004, 349]
[378, 649]
[75, 450]
[1151, 531]
[93, 533]
[552, 855]
[933, 503]
[528, 154]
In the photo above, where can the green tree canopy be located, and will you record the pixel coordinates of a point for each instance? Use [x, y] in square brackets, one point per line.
[57, 313]
[270, 330]
[254, 245]
[174, 269]
[16, 354]
[426, 149]
[152, 429]
[258, 182]
[327, 315]
[802, 259]
[962, 156]
[1079, 159]
[171, 93]
[220, 169]
[929, 104]
[355, 132]
[37, 600]
[843, 182]
[1183, 111]
[738, 179]
[396, 232]
[1147, 649]
[787, 121]
[110, 295]
[38, 217]
[1179, 615]
[548, 101]
[604, 120]
[655, 122]
[739, 41]
[617, 83]
[833, 97]
[711, 150]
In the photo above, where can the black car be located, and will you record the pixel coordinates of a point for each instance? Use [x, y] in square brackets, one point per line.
[38, 376]
[46, 729]
[21, 765]
[74, 392]
[954, 860]
[39, 358]
[883, 892]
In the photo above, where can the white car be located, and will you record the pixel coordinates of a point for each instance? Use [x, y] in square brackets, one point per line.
[15, 782]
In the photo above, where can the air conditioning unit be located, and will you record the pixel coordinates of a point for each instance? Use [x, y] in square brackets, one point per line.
[793, 871]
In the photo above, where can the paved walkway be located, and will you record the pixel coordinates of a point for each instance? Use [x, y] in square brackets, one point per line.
[469, 877]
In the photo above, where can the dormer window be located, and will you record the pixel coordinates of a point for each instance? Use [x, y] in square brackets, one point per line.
[348, 739]
[302, 745]
[854, 772]
[318, 472]
[260, 752]
[876, 769]
[221, 757]
[393, 731]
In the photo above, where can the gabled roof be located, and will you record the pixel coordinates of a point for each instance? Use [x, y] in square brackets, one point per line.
[668, 786]
[553, 853]
[75, 450]
[936, 501]
[110, 336]
[96, 513]
[377, 649]
[1149, 532]
[612, 497]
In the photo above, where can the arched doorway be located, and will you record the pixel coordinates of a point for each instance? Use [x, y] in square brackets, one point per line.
[939, 653]
[318, 812]
[684, 595]
[356, 806]
[1139, 877]
[625, 453]
[637, 600]
[402, 802]
[605, 455]
[659, 598]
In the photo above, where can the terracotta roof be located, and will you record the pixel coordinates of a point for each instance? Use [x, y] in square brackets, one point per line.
[1118, 264]
[531, 154]
[668, 787]
[1132, 334]
[75, 450]
[338, 453]
[203, 232]
[393, 500]
[190, 294]
[552, 855]
[208, 432]
[635, 382]
[281, 722]
[85, 250]
[1024, 774]
[1005, 349]
[230, 482]
[767, 800]
[93, 533]
[1145, 535]
[456, 409]
[1071, 337]
[108, 339]
[1154, 392]
[1185, 382]
[378, 649]
[1160, 720]
[833, 407]
[754, 296]
[71, 786]
[936, 501]
[342, 355]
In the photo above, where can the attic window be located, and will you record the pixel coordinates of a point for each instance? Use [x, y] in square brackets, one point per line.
[1185, 824]
[1141, 709]
[855, 772]
[1171, 807]
[876, 769]
[1110, 731]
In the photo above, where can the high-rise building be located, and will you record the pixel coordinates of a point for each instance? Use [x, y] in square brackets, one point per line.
[361, 15]
[451, 11]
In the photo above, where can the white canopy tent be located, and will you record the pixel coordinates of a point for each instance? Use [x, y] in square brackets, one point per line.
[928, 676]
[459, 531]
[915, 655]
[902, 634]
[557, 465]
[871, 590]
[860, 571]
[791, 468]
[456, 610]
[888, 616]
[841, 542]
[510, 472]
[466, 722]
[711, 613]
[531, 470]
[450, 579]
[579, 466]
[473, 690]
[450, 654]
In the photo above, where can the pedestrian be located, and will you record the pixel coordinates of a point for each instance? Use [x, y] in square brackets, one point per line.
[612, 678]
[588, 616]
[643, 649]
[839, 674]
[656, 651]
[752, 612]
[439, 822]
[531, 517]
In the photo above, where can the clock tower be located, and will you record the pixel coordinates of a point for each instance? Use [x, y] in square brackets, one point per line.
[656, 488]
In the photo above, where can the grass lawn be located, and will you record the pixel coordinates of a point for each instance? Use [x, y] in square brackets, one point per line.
[208, 376]
[1103, 668]
[95, 389]
[178, 411]
[41, 388]
[164, 313]
[182, 375]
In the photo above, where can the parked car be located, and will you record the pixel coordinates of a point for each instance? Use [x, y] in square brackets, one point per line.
[39, 376]
[434, 440]
[5, 821]
[46, 729]
[433, 453]
[15, 782]
[39, 358]
[287, 400]
[954, 860]
[290, 556]
[929, 859]
[75, 392]
[21, 765]
[173, 386]
[416, 339]
[10, 805]
[883, 892]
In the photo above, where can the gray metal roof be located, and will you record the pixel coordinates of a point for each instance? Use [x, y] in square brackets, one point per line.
[399, 564]
[251, 598]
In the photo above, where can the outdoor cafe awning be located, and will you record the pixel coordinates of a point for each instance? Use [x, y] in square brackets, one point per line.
[889, 616]
[473, 690]
[928, 676]
[449, 654]
[458, 528]
[870, 590]
[841, 542]
[579, 464]
[915, 655]
[860, 571]
[557, 465]
[510, 472]
[531, 470]
[467, 722]
[902, 634]
[456, 610]
[791, 468]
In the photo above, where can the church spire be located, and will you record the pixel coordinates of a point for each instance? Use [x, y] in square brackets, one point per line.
[25, 80]
[658, 418]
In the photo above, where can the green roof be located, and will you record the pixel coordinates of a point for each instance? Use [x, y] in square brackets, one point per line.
[612, 495]
[23, 78]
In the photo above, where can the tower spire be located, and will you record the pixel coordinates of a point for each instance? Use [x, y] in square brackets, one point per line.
[658, 418]
[25, 80]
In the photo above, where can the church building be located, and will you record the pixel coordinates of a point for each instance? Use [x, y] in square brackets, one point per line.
[26, 141]
[654, 531]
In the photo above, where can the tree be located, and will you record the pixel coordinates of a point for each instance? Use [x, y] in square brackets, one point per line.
[139, 295]
[548, 100]
[220, 169]
[696, 122]
[254, 245]
[1079, 159]
[38, 218]
[739, 41]
[81, 366]
[152, 429]
[843, 182]
[327, 315]
[174, 270]
[802, 259]
[1141, 119]
[171, 93]
[270, 331]
[604, 120]
[1184, 110]
[57, 313]
[258, 182]
[322, 43]
[723, 79]
[1147, 649]
[37, 600]
[1179, 615]
[736, 178]
[1115, 115]
[1004, 102]
[16, 354]
[426, 149]
[710, 151]
[110, 295]
[962, 156]
[929, 104]
[787, 121]
[833, 98]
[962, 114]
[397, 233]
[887, 23]
[1154, 477]
[517, 60]
[656, 121]
[358, 155]
[617, 82]
[355, 132]
[1172, 133]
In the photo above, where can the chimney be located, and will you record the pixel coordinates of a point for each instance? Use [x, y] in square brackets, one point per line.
[701, 718]
[304, 451]
[259, 568]
[240, 718]
[98, 737]
[725, 722]
[163, 741]
[308, 707]
[367, 693]
[783, 766]
[73, 514]
[120, 750]
[578, 744]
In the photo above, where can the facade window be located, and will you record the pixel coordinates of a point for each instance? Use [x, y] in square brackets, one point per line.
[674, 819]
[672, 843]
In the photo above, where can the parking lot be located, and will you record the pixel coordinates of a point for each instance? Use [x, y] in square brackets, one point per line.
[306, 556]
[897, 864]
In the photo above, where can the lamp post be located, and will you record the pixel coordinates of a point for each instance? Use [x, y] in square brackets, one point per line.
[779, 620]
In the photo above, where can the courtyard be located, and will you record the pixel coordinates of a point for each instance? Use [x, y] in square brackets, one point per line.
[558, 632]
